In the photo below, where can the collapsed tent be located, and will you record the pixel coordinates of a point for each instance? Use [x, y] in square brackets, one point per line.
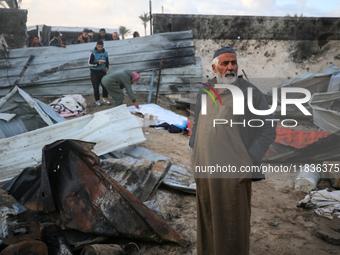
[314, 82]
[326, 110]
[70, 182]
[303, 146]
[296, 138]
[20, 113]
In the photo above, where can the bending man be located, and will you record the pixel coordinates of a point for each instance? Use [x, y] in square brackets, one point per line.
[116, 82]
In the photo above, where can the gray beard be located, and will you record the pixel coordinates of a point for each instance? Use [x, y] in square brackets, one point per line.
[221, 79]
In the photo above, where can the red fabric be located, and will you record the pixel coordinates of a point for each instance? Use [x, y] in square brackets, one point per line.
[135, 76]
[298, 139]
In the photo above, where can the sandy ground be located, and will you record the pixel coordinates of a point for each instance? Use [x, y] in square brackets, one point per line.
[278, 226]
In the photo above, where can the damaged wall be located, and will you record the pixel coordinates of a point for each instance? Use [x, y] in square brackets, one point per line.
[270, 49]
[13, 27]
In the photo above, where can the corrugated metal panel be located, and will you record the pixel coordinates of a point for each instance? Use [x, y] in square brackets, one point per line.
[314, 82]
[140, 177]
[326, 110]
[111, 129]
[67, 68]
[20, 113]
[179, 176]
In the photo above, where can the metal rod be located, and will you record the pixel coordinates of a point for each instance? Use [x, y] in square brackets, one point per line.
[245, 74]
[159, 80]
[151, 86]
[150, 17]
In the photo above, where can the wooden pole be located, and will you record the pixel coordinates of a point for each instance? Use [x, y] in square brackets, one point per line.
[22, 72]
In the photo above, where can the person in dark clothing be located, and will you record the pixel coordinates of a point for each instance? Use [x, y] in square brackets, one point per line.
[103, 36]
[56, 41]
[99, 64]
[84, 37]
[223, 199]
[135, 34]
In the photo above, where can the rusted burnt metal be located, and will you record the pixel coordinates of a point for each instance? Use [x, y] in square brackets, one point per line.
[32, 247]
[23, 231]
[140, 177]
[24, 238]
[88, 199]
[103, 249]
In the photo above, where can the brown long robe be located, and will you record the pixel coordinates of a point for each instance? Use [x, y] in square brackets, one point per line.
[223, 200]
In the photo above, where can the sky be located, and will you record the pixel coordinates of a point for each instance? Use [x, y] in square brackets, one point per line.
[114, 13]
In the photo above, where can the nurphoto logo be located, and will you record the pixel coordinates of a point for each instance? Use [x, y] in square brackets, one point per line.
[238, 104]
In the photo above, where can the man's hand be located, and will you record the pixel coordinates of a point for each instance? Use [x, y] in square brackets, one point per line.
[136, 105]
[101, 62]
[105, 69]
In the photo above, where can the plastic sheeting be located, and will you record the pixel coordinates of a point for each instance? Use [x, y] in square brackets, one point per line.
[162, 114]
[296, 138]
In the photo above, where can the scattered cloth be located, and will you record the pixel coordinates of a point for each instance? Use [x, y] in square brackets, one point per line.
[162, 114]
[325, 202]
[70, 105]
[173, 128]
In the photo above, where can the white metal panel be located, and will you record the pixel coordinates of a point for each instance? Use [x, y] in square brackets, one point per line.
[111, 129]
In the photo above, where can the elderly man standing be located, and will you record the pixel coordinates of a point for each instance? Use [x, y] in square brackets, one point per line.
[223, 198]
[116, 82]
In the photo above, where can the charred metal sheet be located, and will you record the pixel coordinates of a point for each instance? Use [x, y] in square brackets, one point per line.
[24, 150]
[58, 71]
[179, 176]
[88, 199]
[140, 177]
[55, 239]
[32, 247]
[23, 231]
